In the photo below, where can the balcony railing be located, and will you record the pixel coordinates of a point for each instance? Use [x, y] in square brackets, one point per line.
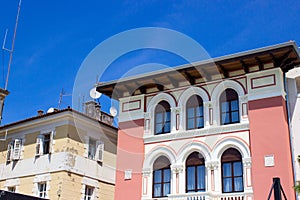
[209, 196]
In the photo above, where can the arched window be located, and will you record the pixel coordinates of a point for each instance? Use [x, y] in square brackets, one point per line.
[162, 118]
[232, 171]
[194, 113]
[161, 177]
[195, 173]
[229, 106]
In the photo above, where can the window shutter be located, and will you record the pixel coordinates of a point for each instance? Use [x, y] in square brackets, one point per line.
[86, 146]
[17, 149]
[9, 152]
[39, 146]
[100, 151]
[51, 142]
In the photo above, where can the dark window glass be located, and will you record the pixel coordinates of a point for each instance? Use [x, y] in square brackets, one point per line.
[46, 143]
[162, 118]
[232, 171]
[229, 105]
[161, 177]
[194, 115]
[195, 173]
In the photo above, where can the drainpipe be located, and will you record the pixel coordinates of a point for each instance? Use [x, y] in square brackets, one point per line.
[290, 128]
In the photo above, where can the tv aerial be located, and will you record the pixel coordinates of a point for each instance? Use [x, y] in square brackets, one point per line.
[3, 91]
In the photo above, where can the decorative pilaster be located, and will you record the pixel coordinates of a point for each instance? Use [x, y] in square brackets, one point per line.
[146, 181]
[212, 168]
[176, 171]
[177, 111]
[147, 116]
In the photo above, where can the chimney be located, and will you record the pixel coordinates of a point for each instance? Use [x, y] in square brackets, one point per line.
[93, 109]
[40, 112]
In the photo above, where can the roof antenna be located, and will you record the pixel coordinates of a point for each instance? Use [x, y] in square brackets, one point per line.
[4, 92]
[61, 95]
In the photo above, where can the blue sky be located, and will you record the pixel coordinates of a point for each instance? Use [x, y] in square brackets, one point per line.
[54, 37]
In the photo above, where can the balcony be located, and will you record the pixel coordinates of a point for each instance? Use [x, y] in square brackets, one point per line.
[209, 196]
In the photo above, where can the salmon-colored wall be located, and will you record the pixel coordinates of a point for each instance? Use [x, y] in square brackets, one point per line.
[130, 156]
[269, 135]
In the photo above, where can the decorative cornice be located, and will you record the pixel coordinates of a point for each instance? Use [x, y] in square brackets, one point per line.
[247, 162]
[177, 110]
[146, 172]
[213, 165]
[177, 169]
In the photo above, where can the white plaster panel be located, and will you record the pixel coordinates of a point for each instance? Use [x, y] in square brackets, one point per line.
[131, 108]
[265, 84]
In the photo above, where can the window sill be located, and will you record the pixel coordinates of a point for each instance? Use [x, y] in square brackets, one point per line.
[184, 134]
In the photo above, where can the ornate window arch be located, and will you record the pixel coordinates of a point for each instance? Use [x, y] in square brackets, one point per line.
[216, 95]
[151, 107]
[232, 171]
[162, 118]
[195, 173]
[183, 101]
[161, 177]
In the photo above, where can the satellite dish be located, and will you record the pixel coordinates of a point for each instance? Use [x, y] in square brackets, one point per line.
[113, 111]
[50, 110]
[94, 93]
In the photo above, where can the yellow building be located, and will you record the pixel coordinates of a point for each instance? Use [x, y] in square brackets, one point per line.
[61, 155]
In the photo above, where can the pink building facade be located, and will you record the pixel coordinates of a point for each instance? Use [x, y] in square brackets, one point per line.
[214, 130]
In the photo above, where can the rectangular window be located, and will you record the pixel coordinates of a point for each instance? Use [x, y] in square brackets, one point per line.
[14, 150]
[88, 193]
[44, 144]
[161, 182]
[11, 189]
[42, 189]
[92, 149]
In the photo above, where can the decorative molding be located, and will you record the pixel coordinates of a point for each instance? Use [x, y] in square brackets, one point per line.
[177, 110]
[146, 172]
[147, 115]
[183, 134]
[247, 162]
[177, 169]
[213, 165]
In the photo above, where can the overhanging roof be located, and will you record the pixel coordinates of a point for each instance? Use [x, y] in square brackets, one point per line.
[284, 56]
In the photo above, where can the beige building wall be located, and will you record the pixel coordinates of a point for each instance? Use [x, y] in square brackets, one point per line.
[68, 169]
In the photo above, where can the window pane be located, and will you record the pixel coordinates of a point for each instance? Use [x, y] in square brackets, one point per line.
[157, 176]
[237, 168]
[167, 116]
[225, 107]
[191, 178]
[227, 184]
[225, 118]
[190, 112]
[158, 128]
[201, 177]
[235, 116]
[200, 122]
[157, 190]
[159, 117]
[191, 123]
[167, 127]
[234, 105]
[227, 169]
[166, 189]
[167, 175]
[199, 111]
[238, 184]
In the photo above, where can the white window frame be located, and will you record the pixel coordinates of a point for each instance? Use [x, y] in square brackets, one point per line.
[43, 193]
[99, 149]
[39, 151]
[42, 178]
[88, 182]
[14, 150]
[87, 196]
